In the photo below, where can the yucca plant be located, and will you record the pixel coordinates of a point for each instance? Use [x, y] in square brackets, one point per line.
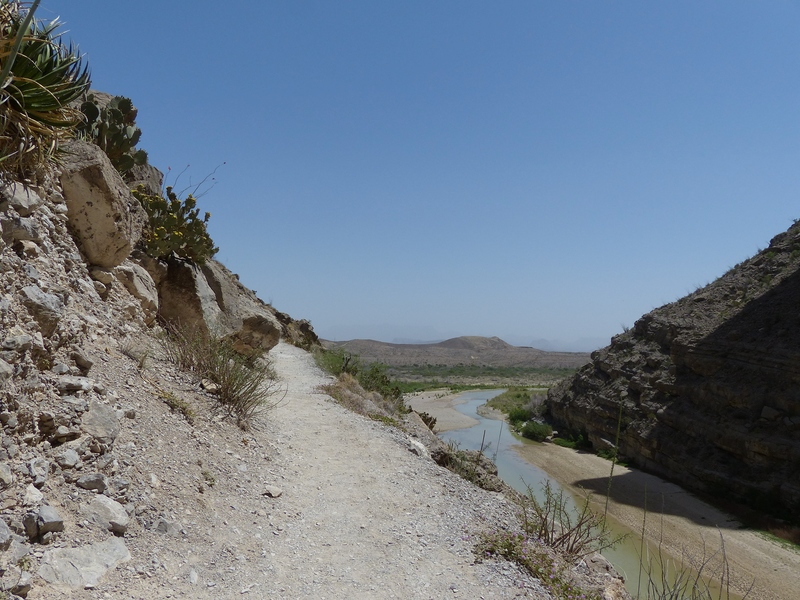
[39, 77]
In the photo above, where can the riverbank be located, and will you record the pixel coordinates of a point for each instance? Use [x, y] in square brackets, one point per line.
[685, 525]
[441, 405]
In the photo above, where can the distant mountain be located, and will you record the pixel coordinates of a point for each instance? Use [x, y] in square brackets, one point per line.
[467, 350]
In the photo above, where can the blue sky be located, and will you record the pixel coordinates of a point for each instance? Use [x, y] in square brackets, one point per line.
[421, 170]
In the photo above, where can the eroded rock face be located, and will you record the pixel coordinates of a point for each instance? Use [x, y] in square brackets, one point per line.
[105, 218]
[186, 299]
[705, 389]
[251, 324]
[211, 299]
[141, 286]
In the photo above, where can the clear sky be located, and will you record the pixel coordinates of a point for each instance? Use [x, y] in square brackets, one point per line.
[417, 170]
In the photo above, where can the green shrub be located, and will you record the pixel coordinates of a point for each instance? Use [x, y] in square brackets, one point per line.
[40, 76]
[536, 431]
[578, 442]
[375, 379]
[174, 226]
[337, 361]
[113, 128]
[518, 415]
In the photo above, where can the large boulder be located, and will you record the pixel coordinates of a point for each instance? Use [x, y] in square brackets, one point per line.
[186, 299]
[211, 299]
[250, 323]
[106, 220]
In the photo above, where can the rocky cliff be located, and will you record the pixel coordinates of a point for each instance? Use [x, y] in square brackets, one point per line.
[706, 390]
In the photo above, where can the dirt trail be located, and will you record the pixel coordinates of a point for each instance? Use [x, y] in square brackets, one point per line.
[355, 509]
[364, 517]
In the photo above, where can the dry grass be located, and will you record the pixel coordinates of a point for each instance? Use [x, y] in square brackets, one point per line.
[246, 386]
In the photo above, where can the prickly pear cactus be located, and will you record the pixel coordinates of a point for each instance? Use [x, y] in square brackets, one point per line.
[113, 128]
[175, 226]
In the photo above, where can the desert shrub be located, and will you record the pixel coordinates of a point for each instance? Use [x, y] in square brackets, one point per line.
[39, 78]
[374, 378]
[578, 442]
[179, 405]
[337, 361]
[374, 383]
[471, 465]
[113, 128]
[536, 431]
[174, 226]
[518, 415]
[244, 386]
[553, 521]
[428, 419]
[530, 554]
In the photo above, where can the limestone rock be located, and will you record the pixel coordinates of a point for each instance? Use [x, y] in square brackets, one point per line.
[6, 370]
[107, 513]
[21, 229]
[32, 496]
[18, 343]
[105, 218]
[23, 199]
[101, 422]
[249, 322]
[46, 308]
[141, 286]
[5, 536]
[187, 299]
[93, 481]
[49, 520]
[6, 476]
[82, 360]
[69, 383]
[38, 468]
[147, 176]
[272, 491]
[256, 333]
[68, 459]
[82, 567]
[165, 526]
[104, 276]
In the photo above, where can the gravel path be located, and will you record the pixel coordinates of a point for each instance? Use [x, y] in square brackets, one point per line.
[315, 502]
[364, 517]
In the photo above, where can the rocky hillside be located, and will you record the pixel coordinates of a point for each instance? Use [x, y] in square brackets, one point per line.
[466, 350]
[705, 390]
[78, 303]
